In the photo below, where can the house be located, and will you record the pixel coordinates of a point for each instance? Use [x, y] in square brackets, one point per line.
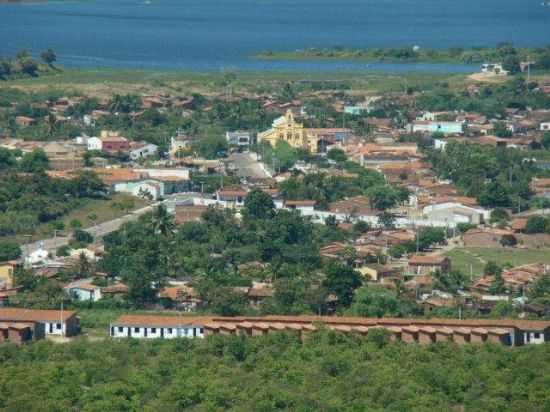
[450, 214]
[258, 293]
[380, 273]
[516, 279]
[24, 121]
[541, 186]
[56, 322]
[486, 237]
[116, 291]
[157, 327]
[142, 150]
[421, 264]
[6, 274]
[232, 197]
[147, 188]
[545, 126]
[446, 128]
[493, 69]
[110, 142]
[519, 224]
[240, 140]
[21, 332]
[84, 290]
[303, 206]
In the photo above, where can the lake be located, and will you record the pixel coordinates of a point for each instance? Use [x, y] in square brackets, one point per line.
[207, 35]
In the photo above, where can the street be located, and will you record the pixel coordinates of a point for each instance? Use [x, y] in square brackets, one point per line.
[247, 165]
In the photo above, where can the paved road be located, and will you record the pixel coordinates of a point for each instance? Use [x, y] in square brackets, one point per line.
[247, 165]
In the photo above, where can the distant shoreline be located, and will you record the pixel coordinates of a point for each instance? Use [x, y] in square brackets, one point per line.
[415, 54]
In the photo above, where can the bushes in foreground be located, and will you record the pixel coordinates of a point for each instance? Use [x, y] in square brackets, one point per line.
[330, 372]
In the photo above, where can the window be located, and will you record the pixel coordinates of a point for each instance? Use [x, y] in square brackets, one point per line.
[58, 325]
[120, 329]
[170, 330]
[201, 330]
[136, 330]
[536, 335]
[153, 330]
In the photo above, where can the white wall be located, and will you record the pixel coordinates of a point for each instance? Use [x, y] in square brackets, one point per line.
[139, 332]
[94, 143]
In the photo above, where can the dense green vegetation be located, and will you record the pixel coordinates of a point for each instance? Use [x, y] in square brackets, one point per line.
[491, 100]
[504, 52]
[24, 65]
[497, 178]
[30, 198]
[329, 372]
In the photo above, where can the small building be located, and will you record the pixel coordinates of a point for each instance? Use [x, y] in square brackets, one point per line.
[240, 140]
[421, 264]
[303, 206]
[232, 197]
[20, 332]
[6, 274]
[147, 188]
[56, 322]
[157, 327]
[451, 213]
[84, 290]
[447, 128]
[24, 121]
[142, 150]
[493, 68]
[545, 126]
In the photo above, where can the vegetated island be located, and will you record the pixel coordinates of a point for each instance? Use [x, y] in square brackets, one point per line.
[418, 54]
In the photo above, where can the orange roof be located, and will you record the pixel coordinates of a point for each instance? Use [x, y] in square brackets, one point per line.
[34, 315]
[427, 260]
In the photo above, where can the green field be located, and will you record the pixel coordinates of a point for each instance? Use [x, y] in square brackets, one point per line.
[104, 82]
[475, 258]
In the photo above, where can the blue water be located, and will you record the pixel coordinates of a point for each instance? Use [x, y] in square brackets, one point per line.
[225, 34]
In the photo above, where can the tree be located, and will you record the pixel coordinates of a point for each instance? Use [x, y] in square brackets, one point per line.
[338, 155]
[82, 236]
[546, 140]
[374, 301]
[226, 301]
[9, 250]
[499, 215]
[48, 56]
[536, 224]
[7, 159]
[382, 197]
[35, 161]
[511, 64]
[429, 236]
[386, 220]
[342, 280]
[162, 221]
[259, 204]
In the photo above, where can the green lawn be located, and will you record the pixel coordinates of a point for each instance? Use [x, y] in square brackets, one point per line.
[462, 258]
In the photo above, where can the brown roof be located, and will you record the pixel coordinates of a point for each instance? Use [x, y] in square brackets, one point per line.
[280, 322]
[300, 203]
[34, 315]
[427, 260]
[159, 320]
[519, 224]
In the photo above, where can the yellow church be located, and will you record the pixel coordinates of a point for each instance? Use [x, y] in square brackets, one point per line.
[287, 129]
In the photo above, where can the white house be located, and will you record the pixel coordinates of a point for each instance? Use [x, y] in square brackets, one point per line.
[56, 322]
[157, 327]
[450, 214]
[142, 150]
[545, 126]
[437, 127]
[144, 188]
[84, 290]
[94, 143]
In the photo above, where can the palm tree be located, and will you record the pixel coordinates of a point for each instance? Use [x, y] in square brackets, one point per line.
[51, 125]
[162, 221]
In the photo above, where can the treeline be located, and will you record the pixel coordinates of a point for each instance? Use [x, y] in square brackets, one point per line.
[504, 52]
[276, 372]
[25, 65]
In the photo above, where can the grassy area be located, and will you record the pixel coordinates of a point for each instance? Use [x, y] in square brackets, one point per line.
[102, 82]
[462, 258]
